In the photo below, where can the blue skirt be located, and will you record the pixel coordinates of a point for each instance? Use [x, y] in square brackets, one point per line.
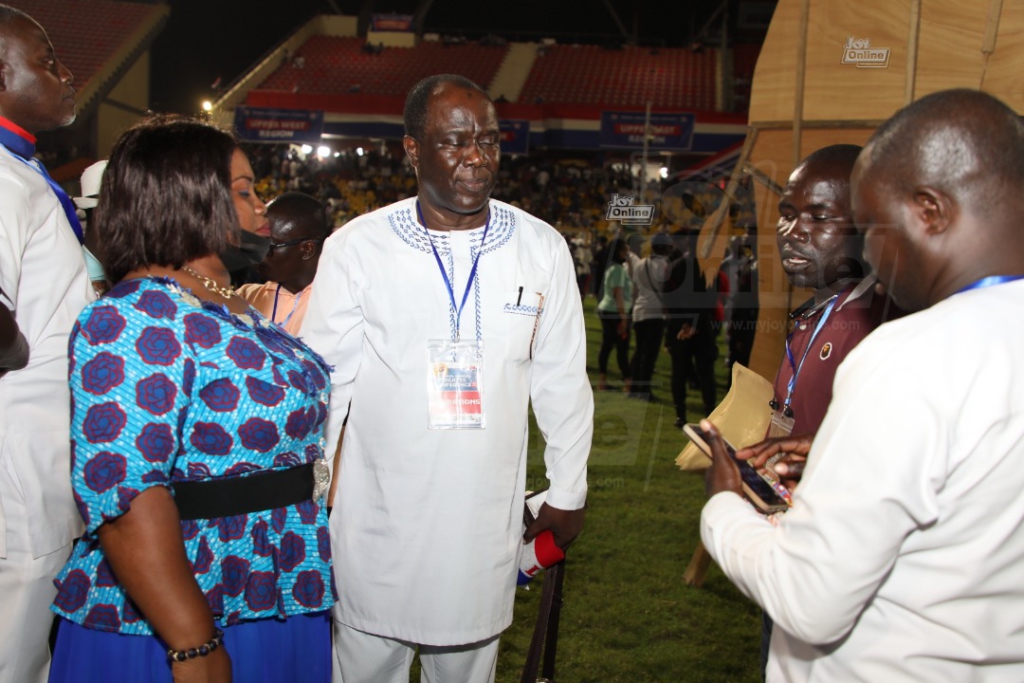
[263, 651]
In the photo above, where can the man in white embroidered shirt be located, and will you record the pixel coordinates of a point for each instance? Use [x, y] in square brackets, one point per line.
[900, 558]
[445, 315]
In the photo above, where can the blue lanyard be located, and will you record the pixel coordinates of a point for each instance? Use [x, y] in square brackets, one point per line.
[273, 314]
[472, 273]
[791, 387]
[23, 150]
[990, 281]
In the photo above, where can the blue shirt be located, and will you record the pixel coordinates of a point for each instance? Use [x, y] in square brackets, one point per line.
[167, 388]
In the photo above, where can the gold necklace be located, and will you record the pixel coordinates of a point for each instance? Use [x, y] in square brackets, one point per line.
[211, 284]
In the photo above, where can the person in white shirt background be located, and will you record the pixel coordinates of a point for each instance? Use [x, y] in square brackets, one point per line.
[900, 558]
[45, 286]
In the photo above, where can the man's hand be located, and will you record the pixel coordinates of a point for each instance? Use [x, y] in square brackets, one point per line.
[565, 525]
[14, 349]
[685, 332]
[789, 453]
[723, 475]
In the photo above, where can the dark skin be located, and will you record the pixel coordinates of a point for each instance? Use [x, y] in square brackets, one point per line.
[456, 166]
[144, 546]
[36, 94]
[925, 245]
[13, 347]
[816, 233]
[819, 246]
[932, 242]
[293, 266]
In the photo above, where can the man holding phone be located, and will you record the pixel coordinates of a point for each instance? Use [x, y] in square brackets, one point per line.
[899, 560]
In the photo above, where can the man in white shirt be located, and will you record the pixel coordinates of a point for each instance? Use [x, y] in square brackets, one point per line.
[45, 286]
[900, 558]
[445, 316]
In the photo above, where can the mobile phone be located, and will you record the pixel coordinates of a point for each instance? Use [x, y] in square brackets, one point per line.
[758, 490]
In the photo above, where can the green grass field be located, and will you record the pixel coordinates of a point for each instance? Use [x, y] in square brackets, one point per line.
[627, 614]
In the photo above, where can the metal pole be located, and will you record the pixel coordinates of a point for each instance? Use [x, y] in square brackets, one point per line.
[643, 163]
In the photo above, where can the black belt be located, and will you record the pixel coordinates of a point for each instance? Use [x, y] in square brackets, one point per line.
[212, 498]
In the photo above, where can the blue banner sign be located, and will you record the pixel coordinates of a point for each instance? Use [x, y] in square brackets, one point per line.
[625, 129]
[257, 124]
[515, 136]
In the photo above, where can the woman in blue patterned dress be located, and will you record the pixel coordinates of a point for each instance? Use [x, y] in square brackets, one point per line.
[196, 438]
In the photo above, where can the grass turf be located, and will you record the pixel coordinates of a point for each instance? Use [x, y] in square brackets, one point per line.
[627, 615]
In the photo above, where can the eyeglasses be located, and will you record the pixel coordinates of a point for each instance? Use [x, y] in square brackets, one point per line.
[292, 243]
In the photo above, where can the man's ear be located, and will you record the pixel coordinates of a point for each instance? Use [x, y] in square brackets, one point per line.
[412, 148]
[934, 209]
[309, 249]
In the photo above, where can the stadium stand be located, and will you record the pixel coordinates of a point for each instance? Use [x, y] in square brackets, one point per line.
[329, 65]
[95, 38]
[590, 74]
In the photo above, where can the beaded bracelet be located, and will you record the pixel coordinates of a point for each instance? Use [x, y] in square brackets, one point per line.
[201, 651]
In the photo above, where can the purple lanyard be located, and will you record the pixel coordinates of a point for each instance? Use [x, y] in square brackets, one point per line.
[23, 150]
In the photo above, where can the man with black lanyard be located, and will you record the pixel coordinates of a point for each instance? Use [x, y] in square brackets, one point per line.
[44, 285]
[298, 228]
[445, 316]
[820, 250]
[900, 558]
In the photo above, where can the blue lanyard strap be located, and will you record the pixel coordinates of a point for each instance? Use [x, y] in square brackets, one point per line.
[23, 150]
[990, 281]
[273, 313]
[472, 273]
[791, 387]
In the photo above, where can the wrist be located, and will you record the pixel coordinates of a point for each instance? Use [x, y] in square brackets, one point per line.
[202, 650]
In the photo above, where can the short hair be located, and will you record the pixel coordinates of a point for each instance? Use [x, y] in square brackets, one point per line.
[843, 155]
[166, 196]
[963, 142]
[614, 247]
[418, 100]
[307, 213]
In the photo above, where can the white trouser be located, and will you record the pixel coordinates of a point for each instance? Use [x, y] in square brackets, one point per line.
[27, 590]
[365, 658]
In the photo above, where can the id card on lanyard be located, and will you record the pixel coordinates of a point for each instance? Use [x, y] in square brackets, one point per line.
[455, 384]
[455, 367]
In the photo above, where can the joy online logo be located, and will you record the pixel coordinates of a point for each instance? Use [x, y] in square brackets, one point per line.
[858, 51]
[623, 208]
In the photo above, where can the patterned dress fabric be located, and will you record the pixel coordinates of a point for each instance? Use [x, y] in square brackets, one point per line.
[166, 388]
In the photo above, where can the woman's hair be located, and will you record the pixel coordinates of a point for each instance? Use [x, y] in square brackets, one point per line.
[166, 196]
[614, 247]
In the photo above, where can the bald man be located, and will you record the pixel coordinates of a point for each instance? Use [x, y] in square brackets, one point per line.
[43, 288]
[900, 559]
[298, 228]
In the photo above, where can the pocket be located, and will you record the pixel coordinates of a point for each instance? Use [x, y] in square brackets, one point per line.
[522, 318]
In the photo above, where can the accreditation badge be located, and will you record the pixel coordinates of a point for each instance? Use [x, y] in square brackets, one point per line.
[455, 371]
[782, 425]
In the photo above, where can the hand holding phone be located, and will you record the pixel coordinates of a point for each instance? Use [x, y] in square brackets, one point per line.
[767, 496]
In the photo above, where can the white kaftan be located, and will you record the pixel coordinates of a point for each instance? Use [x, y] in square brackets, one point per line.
[901, 559]
[427, 524]
[43, 274]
